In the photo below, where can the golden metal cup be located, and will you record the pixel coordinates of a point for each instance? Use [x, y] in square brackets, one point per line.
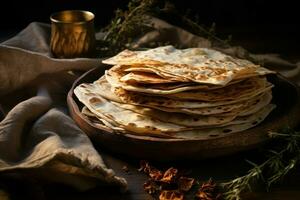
[72, 34]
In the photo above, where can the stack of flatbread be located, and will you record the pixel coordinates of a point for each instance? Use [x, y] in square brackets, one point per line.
[167, 92]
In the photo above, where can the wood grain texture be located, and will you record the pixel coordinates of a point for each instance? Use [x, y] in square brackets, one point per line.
[285, 96]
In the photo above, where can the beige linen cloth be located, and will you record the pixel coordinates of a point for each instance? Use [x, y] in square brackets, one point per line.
[38, 137]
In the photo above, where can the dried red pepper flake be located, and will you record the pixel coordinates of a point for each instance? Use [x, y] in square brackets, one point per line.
[208, 191]
[204, 196]
[185, 183]
[172, 185]
[171, 195]
[209, 186]
[170, 175]
[155, 174]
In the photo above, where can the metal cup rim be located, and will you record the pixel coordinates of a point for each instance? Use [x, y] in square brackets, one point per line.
[90, 14]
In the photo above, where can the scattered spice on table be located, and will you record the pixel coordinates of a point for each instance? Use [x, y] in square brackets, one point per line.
[171, 184]
[208, 191]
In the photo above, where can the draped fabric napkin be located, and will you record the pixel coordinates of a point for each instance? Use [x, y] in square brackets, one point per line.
[37, 136]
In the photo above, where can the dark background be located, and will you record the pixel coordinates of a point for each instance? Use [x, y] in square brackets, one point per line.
[270, 25]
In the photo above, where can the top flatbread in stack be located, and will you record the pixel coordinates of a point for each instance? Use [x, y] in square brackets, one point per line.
[166, 92]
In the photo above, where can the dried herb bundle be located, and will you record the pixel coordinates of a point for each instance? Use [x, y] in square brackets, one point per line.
[133, 22]
[271, 171]
[127, 24]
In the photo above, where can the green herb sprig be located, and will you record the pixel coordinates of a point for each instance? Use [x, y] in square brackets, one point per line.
[127, 24]
[271, 171]
[134, 21]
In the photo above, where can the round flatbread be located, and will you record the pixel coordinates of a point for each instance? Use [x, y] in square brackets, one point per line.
[199, 65]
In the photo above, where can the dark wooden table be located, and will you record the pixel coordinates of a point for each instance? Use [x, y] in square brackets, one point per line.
[219, 169]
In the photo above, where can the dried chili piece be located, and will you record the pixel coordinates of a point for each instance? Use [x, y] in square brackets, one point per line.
[172, 185]
[155, 174]
[170, 175]
[171, 195]
[208, 191]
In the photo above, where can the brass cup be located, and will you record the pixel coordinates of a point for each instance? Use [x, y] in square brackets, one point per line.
[72, 34]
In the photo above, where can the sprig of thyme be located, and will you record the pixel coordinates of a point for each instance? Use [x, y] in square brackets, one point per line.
[209, 33]
[127, 24]
[134, 22]
[271, 171]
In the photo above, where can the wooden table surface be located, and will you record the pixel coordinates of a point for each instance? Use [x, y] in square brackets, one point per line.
[218, 168]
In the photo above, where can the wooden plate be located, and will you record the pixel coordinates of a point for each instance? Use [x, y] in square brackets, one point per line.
[285, 96]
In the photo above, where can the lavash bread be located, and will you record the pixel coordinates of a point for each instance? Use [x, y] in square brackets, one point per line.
[171, 93]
